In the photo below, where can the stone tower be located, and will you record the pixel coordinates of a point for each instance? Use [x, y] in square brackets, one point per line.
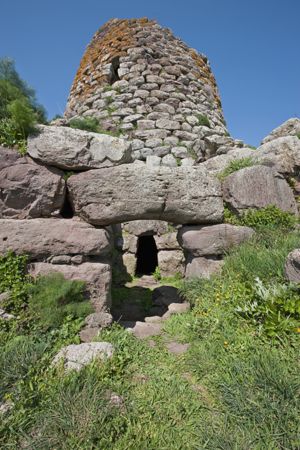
[146, 85]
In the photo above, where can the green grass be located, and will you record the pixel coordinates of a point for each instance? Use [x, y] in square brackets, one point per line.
[203, 120]
[234, 166]
[237, 387]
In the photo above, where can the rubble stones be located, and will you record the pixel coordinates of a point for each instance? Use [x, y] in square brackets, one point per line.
[179, 83]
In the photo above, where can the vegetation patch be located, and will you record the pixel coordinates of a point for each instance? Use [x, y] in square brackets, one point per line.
[234, 166]
[236, 387]
[19, 110]
[203, 120]
[269, 217]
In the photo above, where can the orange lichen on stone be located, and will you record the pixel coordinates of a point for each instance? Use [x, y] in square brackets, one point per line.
[206, 74]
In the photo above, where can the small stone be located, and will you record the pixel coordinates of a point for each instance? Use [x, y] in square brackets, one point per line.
[180, 152]
[145, 124]
[169, 161]
[179, 308]
[153, 161]
[168, 124]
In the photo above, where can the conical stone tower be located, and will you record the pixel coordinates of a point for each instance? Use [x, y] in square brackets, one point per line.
[146, 85]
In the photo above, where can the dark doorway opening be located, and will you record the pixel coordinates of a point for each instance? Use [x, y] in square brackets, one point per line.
[146, 256]
[67, 211]
[114, 76]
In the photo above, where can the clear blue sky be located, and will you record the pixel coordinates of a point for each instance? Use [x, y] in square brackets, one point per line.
[253, 47]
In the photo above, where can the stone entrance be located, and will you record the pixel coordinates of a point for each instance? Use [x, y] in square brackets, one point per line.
[146, 256]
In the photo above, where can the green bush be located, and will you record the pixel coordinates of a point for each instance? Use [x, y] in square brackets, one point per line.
[203, 120]
[85, 123]
[270, 217]
[13, 278]
[19, 111]
[298, 135]
[234, 166]
[53, 298]
[276, 307]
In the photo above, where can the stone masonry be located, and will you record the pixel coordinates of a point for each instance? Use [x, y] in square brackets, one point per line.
[139, 80]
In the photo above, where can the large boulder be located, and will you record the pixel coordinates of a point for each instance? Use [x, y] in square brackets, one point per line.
[76, 356]
[283, 154]
[28, 190]
[97, 277]
[212, 240]
[41, 238]
[292, 266]
[289, 128]
[257, 187]
[201, 267]
[72, 149]
[130, 192]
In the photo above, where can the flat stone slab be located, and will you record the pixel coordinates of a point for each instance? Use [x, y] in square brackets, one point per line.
[177, 348]
[130, 192]
[143, 330]
[49, 237]
[73, 149]
[75, 357]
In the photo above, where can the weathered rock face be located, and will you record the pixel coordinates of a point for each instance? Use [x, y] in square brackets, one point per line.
[41, 238]
[97, 277]
[200, 267]
[171, 262]
[257, 187]
[124, 193]
[67, 148]
[28, 190]
[137, 78]
[283, 154]
[289, 128]
[213, 240]
[292, 266]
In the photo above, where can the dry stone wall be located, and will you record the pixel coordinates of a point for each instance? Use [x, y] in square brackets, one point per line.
[138, 79]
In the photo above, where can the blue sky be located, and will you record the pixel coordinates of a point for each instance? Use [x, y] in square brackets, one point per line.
[253, 47]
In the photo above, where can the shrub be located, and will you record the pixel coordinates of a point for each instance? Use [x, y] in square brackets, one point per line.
[85, 123]
[19, 111]
[234, 166]
[298, 135]
[269, 217]
[203, 120]
[53, 298]
[276, 307]
[13, 278]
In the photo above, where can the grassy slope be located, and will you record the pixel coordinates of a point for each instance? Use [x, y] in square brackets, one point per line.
[235, 388]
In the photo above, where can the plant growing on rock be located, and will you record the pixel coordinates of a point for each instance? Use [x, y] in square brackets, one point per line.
[203, 120]
[234, 166]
